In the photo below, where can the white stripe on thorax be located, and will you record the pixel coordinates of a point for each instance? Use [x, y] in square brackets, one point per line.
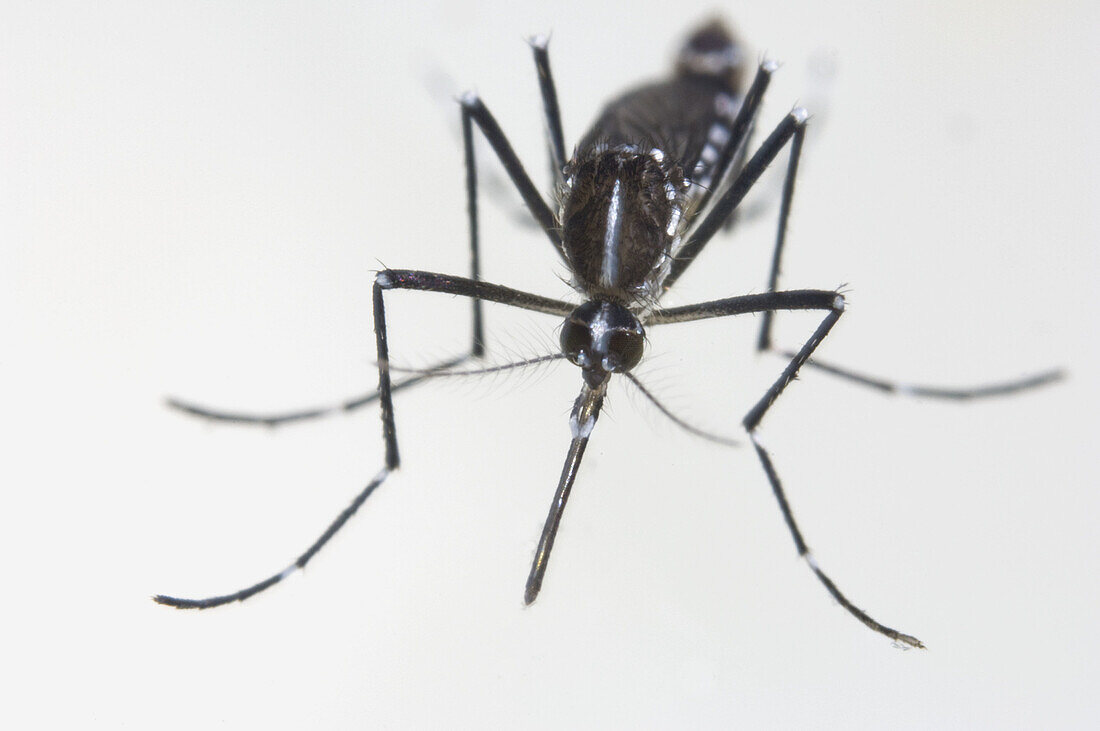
[609, 271]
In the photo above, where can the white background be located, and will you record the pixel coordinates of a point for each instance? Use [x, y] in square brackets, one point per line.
[194, 199]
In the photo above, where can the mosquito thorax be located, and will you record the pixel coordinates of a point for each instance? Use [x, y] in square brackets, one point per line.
[602, 337]
[620, 213]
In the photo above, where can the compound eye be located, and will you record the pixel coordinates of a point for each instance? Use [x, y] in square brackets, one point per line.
[624, 349]
[575, 338]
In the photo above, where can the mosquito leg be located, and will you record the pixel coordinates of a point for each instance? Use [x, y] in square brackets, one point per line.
[794, 299]
[385, 391]
[586, 410]
[764, 340]
[985, 390]
[463, 287]
[277, 419]
[300, 562]
[445, 284]
[752, 421]
[388, 279]
[551, 111]
[477, 345]
[724, 206]
[430, 282]
[756, 413]
[804, 552]
[473, 108]
[785, 301]
[745, 180]
[733, 151]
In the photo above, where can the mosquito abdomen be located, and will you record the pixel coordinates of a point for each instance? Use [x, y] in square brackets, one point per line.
[714, 53]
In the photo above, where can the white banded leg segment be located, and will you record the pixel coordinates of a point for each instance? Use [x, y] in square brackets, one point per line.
[900, 638]
[240, 596]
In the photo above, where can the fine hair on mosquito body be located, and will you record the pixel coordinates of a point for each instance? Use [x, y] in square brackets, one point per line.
[660, 172]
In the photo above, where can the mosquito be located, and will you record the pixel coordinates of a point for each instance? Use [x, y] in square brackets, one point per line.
[661, 171]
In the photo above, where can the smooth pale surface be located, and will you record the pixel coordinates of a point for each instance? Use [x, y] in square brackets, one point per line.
[195, 197]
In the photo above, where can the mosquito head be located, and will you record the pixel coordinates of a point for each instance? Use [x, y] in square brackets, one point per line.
[602, 338]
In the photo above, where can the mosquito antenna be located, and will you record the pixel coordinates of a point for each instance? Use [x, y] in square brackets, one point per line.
[445, 372]
[709, 436]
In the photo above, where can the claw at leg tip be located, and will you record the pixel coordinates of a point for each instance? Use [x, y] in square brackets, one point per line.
[908, 642]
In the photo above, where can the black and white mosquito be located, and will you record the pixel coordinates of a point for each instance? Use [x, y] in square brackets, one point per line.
[661, 171]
